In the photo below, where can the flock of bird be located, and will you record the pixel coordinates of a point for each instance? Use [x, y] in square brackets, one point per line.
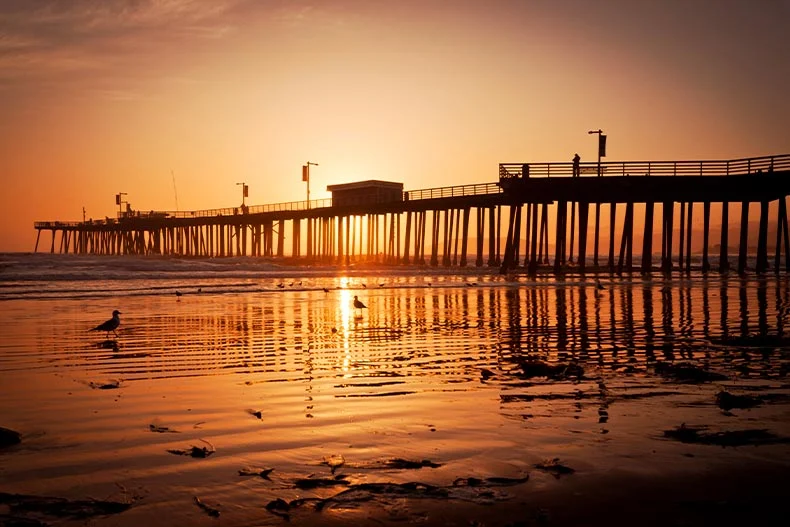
[113, 323]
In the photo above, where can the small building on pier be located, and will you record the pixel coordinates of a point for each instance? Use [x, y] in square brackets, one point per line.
[368, 192]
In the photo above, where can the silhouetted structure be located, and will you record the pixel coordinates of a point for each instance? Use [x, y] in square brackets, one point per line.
[376, 221]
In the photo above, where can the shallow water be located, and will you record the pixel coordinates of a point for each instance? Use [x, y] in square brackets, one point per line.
[432, 369]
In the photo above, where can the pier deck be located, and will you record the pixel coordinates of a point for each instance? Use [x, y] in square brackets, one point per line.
[515, 219]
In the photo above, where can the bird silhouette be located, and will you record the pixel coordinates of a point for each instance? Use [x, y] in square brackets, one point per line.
[326, 290]
[110, 325]
[179, 293]
[281, 286]
[598, 284]
[358, 303]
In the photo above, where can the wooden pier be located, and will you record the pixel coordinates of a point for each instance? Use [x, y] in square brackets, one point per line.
[542, 221]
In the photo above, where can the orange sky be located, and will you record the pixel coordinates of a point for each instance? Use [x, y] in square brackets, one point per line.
[101, 97]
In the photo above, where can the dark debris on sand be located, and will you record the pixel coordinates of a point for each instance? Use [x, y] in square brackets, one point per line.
[260, 472]
[556, 372]
[162, 429]
[354, 494]
[699, 435]
[21, 509]
[554, 467]
[728, 401]
[396, 464]
[112, 385]
[754, 341]
[211, 511]
[9, 437]
[194, 451]
[686, 372]
[316, 483]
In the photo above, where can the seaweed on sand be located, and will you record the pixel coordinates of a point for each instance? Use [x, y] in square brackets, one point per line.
[395, 464]
[469, 488]
[195, 451]
[261, 472]
[211, 511]
[536, 368]
[686, 372]
[21, 508]
[314, 483]
[9, 437]
[728, 401]
[554, 467]
[698, 435]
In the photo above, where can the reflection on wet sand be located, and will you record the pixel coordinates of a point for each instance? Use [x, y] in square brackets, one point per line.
[483, 390]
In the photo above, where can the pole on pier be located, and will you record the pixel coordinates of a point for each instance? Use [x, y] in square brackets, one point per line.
[306, 178]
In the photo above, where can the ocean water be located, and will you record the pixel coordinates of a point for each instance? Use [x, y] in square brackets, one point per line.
[263, 366]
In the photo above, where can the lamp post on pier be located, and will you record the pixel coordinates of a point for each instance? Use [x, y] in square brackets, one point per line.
[119, 201]
[601, 153]
[601, 147]
[245, 191]
[306, 177]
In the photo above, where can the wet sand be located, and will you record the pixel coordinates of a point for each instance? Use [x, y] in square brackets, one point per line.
[299, 382]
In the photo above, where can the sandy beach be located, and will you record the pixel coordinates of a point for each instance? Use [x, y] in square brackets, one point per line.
[455, 399]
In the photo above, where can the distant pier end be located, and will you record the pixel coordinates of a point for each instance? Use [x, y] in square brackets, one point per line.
[535, 216]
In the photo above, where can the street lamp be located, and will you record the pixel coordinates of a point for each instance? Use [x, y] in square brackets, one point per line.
[245, 190]
[601, 152]
[306, 177]
[119, 201]
[601, 147]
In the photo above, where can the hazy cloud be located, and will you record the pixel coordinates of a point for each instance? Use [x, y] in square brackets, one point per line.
[43, 41]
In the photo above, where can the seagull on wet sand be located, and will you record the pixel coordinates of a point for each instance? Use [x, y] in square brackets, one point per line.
[110, 325]
[358, 303]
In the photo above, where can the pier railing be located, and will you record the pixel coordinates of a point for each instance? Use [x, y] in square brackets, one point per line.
[751, 165]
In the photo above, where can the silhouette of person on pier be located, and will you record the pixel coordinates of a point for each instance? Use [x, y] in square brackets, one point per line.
[576, 169]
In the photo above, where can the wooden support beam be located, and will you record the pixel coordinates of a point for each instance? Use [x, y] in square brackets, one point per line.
[705, 235]
[647, 238]
[669, 227]
[465, 235]
[573, 231]
[682, 234]
[785, 233]
[559, 241]
[533, 252]
[597, 233]
[612, 218]
[280, 237]
[435, 239]
[584, 212]
[492, 236]
[689, 223]
[762, 239]
[724, 263]
[744, 239]
[506, 260]
[481, 221]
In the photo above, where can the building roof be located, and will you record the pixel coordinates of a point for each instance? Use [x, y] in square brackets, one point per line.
[370, 183]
